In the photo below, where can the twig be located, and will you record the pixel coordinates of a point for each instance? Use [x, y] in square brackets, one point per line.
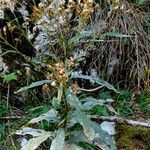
[11, 117]
[96, 41]
[120, 121]
[8, 93]
[90, 90]
[11, 139]
[138, 65]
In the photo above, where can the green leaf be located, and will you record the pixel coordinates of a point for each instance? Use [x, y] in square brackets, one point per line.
[9, 77]
[141, 2]
[60, 92]
[49, 53]
[68, 146]
[73, 100]
[106, 84]
[33, 85]
[39, 136]
[58, 142]
[90, 102]
[98, 110]
[116, 34]
[89, 132]
[86, 124]
[96, 80]
[37, 60]
[77, 137]
[50, 116]
[34, 143]
[56, 103]
[30, 131]
[81, 35]
[100, 138]
[103, 139]
[111, 109]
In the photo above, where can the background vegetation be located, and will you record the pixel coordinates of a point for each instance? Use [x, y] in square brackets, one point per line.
[57, 60]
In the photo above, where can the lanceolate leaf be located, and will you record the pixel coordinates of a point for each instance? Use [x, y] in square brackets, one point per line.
[96, 80]
[86, 124]
[34, 143]
[58, 142]
[39, 136]
[30, 131]
[103, 139]
[50, 116]
[106, 84]
[89, 103]
[33, 85]
[95, 133]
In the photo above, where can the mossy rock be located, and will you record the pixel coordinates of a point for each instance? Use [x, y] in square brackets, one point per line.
[132, 138]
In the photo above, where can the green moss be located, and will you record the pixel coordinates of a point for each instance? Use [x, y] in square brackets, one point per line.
[144, 102]
[132, 138]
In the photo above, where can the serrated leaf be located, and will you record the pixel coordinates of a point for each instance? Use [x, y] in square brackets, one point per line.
[33, 85]
[39, 136]
[34, 143]
[30, 131]
[58, 142]
[50, 116]
[96, 80]
[105, 84]
[90, 102]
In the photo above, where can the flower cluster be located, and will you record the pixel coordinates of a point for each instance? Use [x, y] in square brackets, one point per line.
[36, 14]
[59, 72]
[7, 4]
[64, 12]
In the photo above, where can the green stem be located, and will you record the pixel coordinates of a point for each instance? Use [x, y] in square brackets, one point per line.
[65, 109]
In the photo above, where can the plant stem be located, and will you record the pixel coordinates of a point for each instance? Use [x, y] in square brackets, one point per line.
[8, 93]
[120, 120]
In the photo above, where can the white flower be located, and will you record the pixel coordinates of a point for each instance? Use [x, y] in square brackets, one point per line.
[53, 83]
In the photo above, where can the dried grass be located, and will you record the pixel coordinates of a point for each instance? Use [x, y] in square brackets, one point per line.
[124, 60]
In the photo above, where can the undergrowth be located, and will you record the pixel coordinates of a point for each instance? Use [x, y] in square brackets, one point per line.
[53, 61]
